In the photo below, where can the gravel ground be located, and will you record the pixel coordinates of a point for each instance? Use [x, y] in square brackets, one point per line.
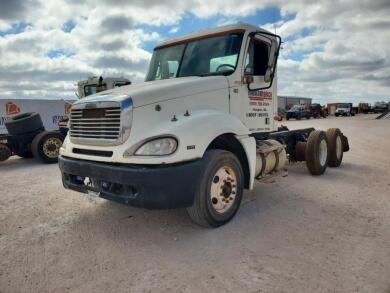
[299, 234]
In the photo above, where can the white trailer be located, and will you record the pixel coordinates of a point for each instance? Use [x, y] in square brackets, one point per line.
[196, 133]
[51, 111]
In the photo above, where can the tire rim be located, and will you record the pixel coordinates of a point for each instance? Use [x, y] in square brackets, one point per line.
[223, 189]
[323, 154]
[51, 147]
[339, 149]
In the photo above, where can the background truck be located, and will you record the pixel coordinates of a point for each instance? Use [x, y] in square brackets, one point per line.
[317, 111]
[196, 133]
[380, 107]
[95, 84]
[364, 108]
[298, 112]
[345, 109]
[27, 138]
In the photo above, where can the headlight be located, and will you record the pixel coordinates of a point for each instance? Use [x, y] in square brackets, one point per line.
[157, 147]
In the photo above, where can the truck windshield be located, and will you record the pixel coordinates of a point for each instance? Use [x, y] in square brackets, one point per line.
[210, 56]
[90, 89]
[344, 106]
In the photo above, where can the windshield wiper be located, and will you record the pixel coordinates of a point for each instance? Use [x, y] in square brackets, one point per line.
[225, 72]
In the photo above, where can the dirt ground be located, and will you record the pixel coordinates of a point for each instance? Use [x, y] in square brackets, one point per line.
[300, 234]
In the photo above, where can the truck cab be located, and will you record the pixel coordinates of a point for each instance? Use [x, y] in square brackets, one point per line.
[196, 133]
[95, 84]
[344, 109]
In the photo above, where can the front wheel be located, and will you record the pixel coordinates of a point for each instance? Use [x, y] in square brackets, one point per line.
[220, 191]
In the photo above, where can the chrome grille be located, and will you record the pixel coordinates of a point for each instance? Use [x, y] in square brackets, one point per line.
[99, 123]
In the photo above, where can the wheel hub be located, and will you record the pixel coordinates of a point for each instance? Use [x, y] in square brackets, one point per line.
[323, 153]
[227, 189]
[339, 147]
[223, 189]
[51, 147]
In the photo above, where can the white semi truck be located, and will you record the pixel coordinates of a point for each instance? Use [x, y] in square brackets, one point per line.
[196, 133]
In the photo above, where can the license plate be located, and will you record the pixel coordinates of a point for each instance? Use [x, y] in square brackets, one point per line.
[92, 195]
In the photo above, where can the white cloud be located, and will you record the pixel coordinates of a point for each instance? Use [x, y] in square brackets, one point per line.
[333, 49]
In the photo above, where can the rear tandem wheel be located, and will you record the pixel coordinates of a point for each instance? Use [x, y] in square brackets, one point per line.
[317, 154]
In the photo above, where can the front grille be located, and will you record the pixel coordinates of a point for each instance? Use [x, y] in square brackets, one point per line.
[96, 123]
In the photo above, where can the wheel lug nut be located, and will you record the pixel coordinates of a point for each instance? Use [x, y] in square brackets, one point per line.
[231, 198]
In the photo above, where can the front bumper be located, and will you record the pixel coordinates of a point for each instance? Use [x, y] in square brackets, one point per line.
[153, 187]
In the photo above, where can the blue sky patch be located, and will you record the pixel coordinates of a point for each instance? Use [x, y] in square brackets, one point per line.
[68, 26]
[16, 28]
[59, 53]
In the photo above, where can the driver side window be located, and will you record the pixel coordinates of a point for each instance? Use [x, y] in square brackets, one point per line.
[256, 60]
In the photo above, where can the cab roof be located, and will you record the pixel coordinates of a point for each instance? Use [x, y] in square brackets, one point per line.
[239, 27]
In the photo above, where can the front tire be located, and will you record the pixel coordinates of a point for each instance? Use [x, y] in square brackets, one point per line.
[219, 195]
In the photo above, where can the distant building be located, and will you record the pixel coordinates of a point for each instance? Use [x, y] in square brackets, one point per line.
[286, 102]
[332, 108]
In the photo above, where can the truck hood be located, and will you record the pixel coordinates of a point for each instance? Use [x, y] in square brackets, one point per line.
[150, 92]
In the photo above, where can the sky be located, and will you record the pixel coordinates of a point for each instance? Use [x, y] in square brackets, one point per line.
[333, 51]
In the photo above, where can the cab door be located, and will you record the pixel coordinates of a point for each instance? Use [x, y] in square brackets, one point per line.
[259, 91]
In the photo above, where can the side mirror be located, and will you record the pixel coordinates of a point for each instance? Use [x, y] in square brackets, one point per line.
[274, 41]
[269, 74]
